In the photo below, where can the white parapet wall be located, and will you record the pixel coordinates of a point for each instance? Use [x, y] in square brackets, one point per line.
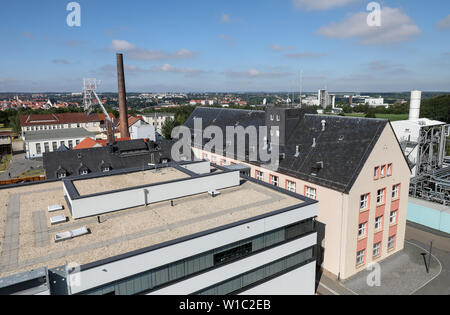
[98, 204]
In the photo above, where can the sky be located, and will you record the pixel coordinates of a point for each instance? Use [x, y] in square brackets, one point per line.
[226, 45]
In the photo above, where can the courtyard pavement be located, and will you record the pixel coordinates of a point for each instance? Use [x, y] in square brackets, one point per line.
[19, 165]
[404, 273]
[401, 274]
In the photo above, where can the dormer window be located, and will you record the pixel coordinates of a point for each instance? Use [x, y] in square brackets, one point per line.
[105, 169]
[278, 117]
[83, 172]
[271, 117]
[62, 175]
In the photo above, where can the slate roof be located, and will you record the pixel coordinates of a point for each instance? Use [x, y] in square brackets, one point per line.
[56, 134]
[335, 161]
[122, 155]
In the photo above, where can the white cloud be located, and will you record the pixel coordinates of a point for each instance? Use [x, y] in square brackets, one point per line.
[444, 23]
[254, 73]
[122, 45]
[279, 48]
[226, 37]
[138, 53]
[171, 69]
[61, 61]
[225, 18]
[395, 27]
[303, 55]
[322, 4]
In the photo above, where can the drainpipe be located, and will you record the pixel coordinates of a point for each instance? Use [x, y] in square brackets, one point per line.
[340, 242]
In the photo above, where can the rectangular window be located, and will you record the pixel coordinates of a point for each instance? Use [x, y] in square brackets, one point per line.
[364, 204]
[395, 191]
[360, 257]
[274, 180]
[376, 249]
[393, 217]
[61, 143]
[310, 192]
[259, 175]
[38, 148]
[362, 229]
[391, 242]
[291, 186]
[55, 145]
[378, 223]
[389, 170]
[232, 254]
[376, 173]
[77, 142]
[70, 144]
[46, 147]
[380, 196]
[383, 171]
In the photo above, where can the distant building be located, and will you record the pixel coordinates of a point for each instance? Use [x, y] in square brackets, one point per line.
[93, 122]
[38, 142]
[375, 102]
[121, 155]
[5, 142]
[157, 120]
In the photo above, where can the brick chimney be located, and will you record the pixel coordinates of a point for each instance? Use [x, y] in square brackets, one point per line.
[123, 109]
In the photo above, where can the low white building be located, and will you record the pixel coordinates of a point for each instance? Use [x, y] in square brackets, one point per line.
[375, 102]
[38, 142]
[169, 230]
[157, 120]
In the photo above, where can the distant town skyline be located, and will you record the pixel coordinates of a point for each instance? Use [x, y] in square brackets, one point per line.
[227, 46]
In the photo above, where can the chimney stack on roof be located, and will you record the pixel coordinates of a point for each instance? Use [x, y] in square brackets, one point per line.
[123, 109]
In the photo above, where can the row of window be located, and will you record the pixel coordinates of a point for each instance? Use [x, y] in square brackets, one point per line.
[362, 227]
[53, 127]
[189, 267]
[290, 185]
[376, 251]
[259, 275]
[381, 197]
[54, 146]
[382, 171]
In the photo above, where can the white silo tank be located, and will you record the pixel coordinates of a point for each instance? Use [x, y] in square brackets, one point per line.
[414, 109]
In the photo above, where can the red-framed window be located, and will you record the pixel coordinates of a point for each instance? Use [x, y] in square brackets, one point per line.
[291, 186]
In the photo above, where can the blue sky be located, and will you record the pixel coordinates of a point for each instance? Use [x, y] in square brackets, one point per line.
[205, 45]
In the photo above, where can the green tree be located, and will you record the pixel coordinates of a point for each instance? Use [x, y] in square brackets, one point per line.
[436, 108]
[167, 128]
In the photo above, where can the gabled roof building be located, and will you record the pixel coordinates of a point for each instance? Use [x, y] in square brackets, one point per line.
[354, 167]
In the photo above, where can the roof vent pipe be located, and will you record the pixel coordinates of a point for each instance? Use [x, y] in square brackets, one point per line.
[314, 143]
[323, 125]
[297, 151]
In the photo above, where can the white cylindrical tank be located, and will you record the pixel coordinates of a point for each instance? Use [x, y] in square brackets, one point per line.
[414, 109]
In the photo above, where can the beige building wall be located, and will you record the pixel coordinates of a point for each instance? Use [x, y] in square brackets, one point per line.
[386, 151]
[332, 208]
[340, 212]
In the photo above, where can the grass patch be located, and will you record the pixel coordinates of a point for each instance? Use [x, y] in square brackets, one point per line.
[32, 173]
[5, 161]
